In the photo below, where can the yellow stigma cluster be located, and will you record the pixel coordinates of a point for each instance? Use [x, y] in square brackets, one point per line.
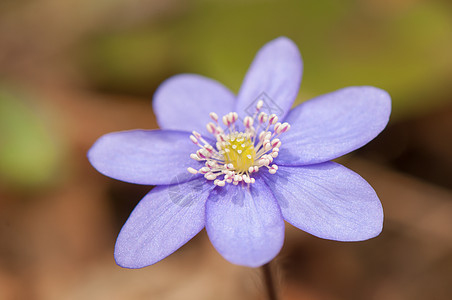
[239, 151]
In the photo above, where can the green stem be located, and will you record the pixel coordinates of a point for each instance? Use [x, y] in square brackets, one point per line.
[269, 282]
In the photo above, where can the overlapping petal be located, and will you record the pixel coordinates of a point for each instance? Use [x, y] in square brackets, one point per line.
[163, 221]
[183, 102]
[275, 76]
[150, 157]
[245, 224]
[334, 124]
[327, 200]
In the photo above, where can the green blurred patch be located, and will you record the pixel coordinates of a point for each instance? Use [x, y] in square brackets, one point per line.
[29, 156]
[406, 51]
[130, 62]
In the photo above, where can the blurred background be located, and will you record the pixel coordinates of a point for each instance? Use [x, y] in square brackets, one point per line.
[73, 70]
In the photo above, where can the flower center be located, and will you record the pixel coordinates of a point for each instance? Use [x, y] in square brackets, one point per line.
[239, 151]
[239, 154]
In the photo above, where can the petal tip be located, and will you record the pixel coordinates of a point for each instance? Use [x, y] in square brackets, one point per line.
[374, 93]
[126, 257]
[283, 40]
[124, 261]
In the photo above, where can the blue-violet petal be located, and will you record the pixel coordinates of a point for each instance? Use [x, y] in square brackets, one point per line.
[164, 220]
[274, 76]
[244, 223]
[334, 124]
[327, 200]
[150, 157]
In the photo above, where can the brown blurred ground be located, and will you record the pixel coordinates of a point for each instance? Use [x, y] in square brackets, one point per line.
[56, 242]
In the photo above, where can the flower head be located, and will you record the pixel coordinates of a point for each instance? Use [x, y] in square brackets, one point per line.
[241, 165]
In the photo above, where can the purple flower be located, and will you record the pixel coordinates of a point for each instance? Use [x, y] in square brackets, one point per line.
[230, 164]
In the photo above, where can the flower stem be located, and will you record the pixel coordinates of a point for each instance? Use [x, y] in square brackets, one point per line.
[269, 282]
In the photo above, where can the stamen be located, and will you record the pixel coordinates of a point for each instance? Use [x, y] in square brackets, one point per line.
[225, 120]
[194, 140]
[213, 116]
[191, 170]
[248, 122]
[262, 117]
[259, 104]
[211, 128]
[272, 119]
